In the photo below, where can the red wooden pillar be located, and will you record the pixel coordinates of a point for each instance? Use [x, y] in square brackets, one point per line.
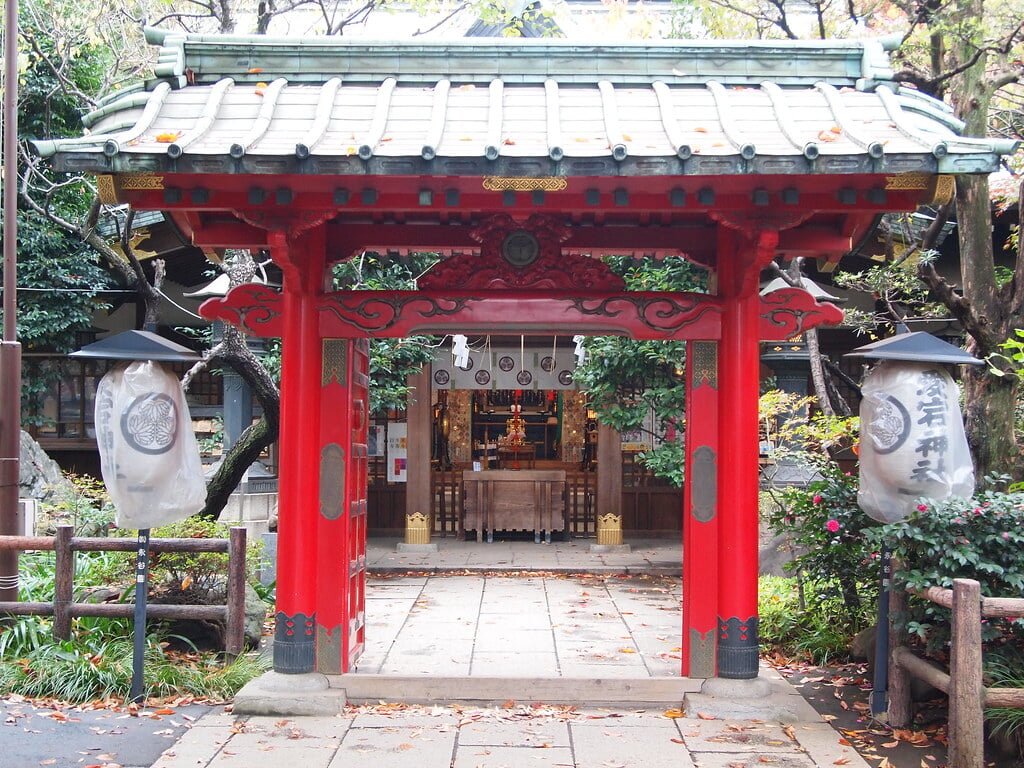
[302, 261]
[738, 479]
[700, 509]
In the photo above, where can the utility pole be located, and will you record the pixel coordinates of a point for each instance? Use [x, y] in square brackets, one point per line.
[10, 349]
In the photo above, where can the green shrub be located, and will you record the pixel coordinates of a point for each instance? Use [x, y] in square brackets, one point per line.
[828, 534]
[193, 572]
[96, 662]
[817, 631]
[80, 670]
[84, 505]
[980, 538]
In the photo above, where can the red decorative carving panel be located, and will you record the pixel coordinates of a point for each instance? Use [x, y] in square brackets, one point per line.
[253, 308]
[257, 310]
[791, 311]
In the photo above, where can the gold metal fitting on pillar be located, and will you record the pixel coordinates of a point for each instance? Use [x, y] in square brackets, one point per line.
[417, 528]
[609, 529]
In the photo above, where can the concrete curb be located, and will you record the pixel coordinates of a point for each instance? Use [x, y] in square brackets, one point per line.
[486, 691]
[462, 570]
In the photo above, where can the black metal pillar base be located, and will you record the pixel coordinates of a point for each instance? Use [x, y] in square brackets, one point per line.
[294, 643]
[737, 648]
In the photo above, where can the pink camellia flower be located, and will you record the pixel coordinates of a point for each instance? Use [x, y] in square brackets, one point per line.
[922, 507]
[977, 510]
[832, 525]
[817, 499]
[1006, 535]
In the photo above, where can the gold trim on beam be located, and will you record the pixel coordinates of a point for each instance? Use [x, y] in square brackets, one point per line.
[106, 189]
[942, 187]
[140, 181]
[913, 180]
[521, 184]
[945, 189]
[111, 187]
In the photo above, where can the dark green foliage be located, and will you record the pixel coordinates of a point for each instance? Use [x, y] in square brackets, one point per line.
[796, 622]
[47, 106]
[628, 379]
[981, 538]
[828, 534]
[392, 361]
[62, 282]
[60, 276]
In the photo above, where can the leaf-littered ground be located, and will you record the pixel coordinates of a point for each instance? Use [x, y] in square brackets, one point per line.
[53, 734]
[841, 695]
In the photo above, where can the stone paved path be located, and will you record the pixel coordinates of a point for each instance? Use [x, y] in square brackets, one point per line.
[536, 626]
[392, 736]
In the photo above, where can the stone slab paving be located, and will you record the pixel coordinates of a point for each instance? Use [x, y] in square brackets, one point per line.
[573, 556]
[539, 625]
[511, 736]
[443, 629]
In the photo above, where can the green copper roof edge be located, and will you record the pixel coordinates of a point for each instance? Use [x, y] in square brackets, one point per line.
[127, 101]
[213, 56]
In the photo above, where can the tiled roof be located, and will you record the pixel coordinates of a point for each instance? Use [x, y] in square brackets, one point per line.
[252, 105]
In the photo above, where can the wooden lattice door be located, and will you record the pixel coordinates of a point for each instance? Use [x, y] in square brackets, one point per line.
[359, 390]
[341, 539]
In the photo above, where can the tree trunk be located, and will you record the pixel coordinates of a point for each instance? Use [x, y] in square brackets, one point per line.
[254, 439]
[250, 444]
[989, 403]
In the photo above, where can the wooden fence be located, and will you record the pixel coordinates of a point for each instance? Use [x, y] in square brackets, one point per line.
[63, 609]
[580, 502]
[968, 695]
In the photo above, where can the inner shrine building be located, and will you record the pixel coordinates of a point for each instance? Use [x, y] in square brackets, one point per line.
[521, 163]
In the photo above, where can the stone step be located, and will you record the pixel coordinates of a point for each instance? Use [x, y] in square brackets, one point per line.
[584, 692]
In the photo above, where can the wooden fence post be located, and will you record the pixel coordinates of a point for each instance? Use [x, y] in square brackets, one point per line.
[234, 625]
[900, 712]
[64, 574]
[966, 695]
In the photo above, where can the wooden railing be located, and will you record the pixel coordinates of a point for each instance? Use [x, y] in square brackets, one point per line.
[63, 609]
[580, 502]
[968, 695]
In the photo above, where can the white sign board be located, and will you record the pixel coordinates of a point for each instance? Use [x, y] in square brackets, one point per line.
[396, 453]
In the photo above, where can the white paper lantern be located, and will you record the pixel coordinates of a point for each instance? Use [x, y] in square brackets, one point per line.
[148, 452]
[912, 439]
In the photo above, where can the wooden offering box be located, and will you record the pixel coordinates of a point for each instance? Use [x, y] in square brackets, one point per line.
[511, 500]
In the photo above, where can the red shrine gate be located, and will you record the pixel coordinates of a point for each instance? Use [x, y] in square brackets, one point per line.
[520, 162]
[520, 282]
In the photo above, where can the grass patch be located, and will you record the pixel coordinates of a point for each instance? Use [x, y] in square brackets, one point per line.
[72, 671]
[817, 629]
